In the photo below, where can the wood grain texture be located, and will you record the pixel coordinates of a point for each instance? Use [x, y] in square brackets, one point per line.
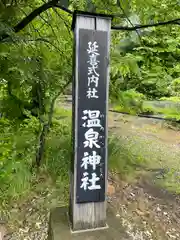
[87, 215]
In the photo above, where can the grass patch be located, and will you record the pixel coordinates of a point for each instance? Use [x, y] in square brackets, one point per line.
[122, 159]
[170, 180]
[60, 113]
[18, 150]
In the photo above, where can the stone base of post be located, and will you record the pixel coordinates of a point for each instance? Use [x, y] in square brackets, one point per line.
[60, 228]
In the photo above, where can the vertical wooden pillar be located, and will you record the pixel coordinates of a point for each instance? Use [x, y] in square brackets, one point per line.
[90, 108]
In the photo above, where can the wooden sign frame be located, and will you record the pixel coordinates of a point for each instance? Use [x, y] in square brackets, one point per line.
[89, 164]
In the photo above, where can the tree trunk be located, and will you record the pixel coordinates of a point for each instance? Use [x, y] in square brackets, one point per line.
[42, 139]
[46, 127]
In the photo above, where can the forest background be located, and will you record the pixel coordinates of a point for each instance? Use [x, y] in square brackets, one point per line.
[36, 44]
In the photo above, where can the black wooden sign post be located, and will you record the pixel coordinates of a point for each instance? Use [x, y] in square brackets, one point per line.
[91, 80]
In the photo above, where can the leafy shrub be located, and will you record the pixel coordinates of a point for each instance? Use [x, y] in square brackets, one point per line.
[17, 150]
[18, 147]
[175, 87]
[130, 101]
[58, 150]
[149, 108]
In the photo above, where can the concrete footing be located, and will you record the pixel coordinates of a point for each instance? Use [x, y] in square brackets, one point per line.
[59, 228]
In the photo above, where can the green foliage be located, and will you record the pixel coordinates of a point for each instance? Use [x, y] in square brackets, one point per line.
[175, 87]
[17, 150]
[170, 109]
[154, 52]
[58, 149]
[36, 64]
[130, 101]
[171, 180]
[172, 113]
[171, 99]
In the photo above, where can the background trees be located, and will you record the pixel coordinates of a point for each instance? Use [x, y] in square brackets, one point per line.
[36, 67]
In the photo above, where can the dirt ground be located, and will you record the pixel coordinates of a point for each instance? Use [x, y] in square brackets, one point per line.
[147, 210]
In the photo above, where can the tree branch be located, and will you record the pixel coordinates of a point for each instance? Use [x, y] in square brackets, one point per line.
[135, 27]
[120, 6]
[46, 41]
[33, 15]
[54, 3]
[26, 20]
[65, 23]
[46, 126]
[63, 8]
